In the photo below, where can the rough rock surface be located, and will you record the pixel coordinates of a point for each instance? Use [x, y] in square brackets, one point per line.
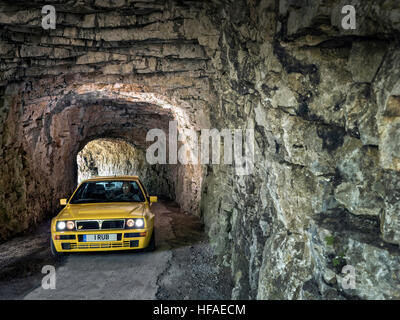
[323, 101]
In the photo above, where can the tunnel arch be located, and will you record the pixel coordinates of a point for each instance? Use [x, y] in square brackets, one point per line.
[52, 121]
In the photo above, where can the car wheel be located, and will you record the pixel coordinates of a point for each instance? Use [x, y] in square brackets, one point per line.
[152, 243]
[53, 250]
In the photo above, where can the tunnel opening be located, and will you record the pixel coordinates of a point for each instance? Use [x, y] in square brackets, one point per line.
[115, 157]
[61, 124]
[111, 131]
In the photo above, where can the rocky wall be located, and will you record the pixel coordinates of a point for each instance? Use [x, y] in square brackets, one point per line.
[323, 195]
[323, 103]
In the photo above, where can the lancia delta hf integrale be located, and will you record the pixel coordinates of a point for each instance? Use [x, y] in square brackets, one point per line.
[104, 214]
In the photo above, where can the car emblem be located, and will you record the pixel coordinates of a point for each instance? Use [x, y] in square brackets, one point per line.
[100, 223]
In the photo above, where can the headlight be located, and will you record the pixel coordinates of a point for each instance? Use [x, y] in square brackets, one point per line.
[70, 225]
[139, 223]
[61, 225]
[134, 223]
[130, 223]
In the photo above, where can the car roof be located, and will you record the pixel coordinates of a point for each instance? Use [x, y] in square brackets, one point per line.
[111, 178]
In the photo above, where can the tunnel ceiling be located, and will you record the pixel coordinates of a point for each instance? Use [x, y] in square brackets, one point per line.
[323, 103]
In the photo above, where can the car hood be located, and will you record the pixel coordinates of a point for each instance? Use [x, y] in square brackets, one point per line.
[101, 211]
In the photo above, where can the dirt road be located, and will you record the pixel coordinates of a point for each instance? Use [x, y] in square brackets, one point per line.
[182, 266]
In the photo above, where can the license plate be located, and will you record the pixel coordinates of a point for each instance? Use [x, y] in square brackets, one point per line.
[99, 237]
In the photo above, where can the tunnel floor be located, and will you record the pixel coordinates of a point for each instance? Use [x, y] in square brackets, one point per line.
[181, 267]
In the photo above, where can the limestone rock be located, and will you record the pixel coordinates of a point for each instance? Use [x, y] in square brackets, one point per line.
[323, 103]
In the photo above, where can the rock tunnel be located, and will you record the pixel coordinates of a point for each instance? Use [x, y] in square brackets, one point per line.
[54, 132]
[323, 103]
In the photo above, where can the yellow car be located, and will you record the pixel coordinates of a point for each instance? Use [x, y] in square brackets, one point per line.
[105, 214]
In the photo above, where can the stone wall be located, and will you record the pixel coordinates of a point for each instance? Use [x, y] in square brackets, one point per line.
[324, 104]
[325, 189]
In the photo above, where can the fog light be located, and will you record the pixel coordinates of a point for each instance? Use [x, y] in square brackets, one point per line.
[66, 246]
[134, 243]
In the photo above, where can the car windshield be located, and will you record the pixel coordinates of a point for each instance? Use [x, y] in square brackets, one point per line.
[108, 191]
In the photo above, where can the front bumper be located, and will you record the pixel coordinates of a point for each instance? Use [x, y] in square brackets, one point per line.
[72, 241]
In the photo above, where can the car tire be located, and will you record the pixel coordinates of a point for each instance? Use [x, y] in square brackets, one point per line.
[53, 250]
[152, 243]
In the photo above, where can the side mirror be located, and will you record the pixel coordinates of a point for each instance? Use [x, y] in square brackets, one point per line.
[63, 202]
[153, 199]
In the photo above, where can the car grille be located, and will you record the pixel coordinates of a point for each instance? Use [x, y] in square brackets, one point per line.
[103, 245]
[87, 225]
[100, 224]
[112, 224]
